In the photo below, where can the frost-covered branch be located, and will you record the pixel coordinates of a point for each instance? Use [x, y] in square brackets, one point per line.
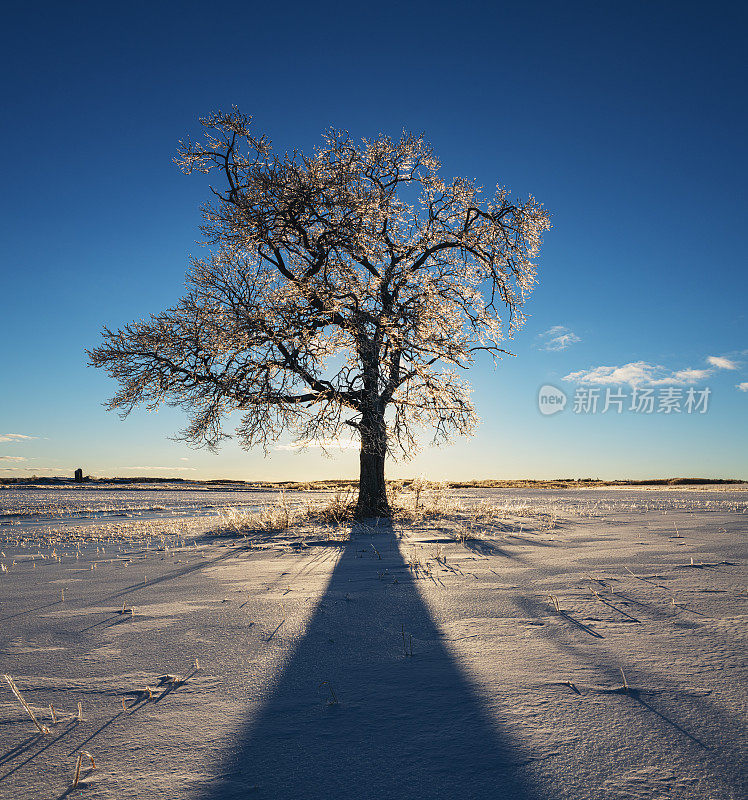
[342, 286]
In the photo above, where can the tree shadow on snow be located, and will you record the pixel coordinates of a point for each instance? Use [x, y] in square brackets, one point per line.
[355, 715]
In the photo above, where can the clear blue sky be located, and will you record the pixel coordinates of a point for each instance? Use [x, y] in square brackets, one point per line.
[627, 120]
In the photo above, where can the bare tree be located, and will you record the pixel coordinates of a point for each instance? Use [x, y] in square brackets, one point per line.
[342, 288]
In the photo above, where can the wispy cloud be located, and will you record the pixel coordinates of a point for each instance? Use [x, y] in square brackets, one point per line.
[321, 444]
[15, 437]
[690, 375]
[164, 469]
[35, 470]
[13, 458]
[742, 386]
[557, 338]
[722, 363]
[637, 373]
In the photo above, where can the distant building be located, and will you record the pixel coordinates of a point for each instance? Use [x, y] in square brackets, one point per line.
[79, 475]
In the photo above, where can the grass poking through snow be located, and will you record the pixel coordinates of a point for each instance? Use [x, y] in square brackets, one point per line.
[79, 763]
[41, 728]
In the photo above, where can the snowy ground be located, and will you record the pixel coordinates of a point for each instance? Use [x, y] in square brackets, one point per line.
[567, 644]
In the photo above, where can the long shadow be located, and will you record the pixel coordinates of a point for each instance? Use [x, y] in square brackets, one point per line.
[30, 610]
[636, 694]
[20, 748]
[80, 745]
[485, 547]
[169, 576]
[355, 715]
[174, 574]
[48, 744]
[729, 762]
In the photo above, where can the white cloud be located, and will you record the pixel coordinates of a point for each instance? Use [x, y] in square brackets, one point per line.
[722, 363]
[557, 338]
[637, 373]
[322, 444]
[13, 458]
[690, 375]
[742, 386]
[15, 437]
[184, 459]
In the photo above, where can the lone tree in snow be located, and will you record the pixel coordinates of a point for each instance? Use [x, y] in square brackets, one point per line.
[342, 288]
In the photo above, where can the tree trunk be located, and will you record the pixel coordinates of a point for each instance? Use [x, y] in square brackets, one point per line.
[372, 490]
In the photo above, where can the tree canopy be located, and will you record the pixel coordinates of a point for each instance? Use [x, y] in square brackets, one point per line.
[346, 287]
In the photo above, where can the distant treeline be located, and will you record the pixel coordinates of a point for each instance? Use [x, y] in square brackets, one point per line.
[328, 485]
[563, 483]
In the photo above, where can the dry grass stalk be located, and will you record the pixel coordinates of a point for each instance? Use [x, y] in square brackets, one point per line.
[406, 652]
[79, 763]
[270, 518]
[429, 501]
[625, 682]
[336, 510]
[41, 728]
[411, 502]
[332, 700]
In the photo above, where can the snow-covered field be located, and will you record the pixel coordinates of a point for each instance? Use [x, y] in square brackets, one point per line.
[540, 644]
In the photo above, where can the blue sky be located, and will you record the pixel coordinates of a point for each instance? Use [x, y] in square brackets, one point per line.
[626, 120]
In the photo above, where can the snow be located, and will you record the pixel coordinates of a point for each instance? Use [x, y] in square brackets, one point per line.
[569, 644]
